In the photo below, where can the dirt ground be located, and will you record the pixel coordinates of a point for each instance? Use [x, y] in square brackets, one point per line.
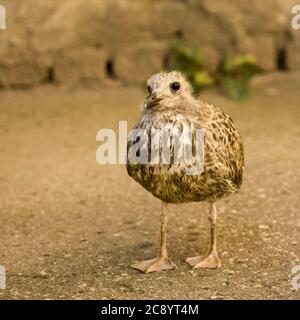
[70, 227]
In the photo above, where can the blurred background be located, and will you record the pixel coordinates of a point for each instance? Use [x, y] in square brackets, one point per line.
[69, 227]
[125, 41]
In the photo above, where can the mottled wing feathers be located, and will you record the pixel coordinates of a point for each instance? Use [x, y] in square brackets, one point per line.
[223, 161]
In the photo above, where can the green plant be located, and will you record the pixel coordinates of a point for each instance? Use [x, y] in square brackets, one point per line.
[190, 61]
[235, 74]
[232, 76]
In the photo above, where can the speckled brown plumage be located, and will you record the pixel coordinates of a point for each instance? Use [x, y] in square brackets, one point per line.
[223, 148]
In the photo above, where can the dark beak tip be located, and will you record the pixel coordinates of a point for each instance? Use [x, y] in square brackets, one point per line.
[153, 102]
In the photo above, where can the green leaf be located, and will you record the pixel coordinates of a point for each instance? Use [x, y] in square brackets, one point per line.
[202, 79]
[244, 67]
[236, 89]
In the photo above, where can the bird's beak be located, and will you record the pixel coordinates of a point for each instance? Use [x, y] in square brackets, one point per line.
[152, 101]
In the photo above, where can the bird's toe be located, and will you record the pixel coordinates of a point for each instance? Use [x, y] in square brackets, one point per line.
[212, 261]
[154, 265]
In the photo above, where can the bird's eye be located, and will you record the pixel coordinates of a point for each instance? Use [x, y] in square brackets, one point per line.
[149, 89]
[175, 86]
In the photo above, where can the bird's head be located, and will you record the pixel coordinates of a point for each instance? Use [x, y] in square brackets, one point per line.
[167, 90]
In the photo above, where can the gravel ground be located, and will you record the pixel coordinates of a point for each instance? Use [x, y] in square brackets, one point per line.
[70, 228]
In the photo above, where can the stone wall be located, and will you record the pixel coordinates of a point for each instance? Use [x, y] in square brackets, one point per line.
[72, 41]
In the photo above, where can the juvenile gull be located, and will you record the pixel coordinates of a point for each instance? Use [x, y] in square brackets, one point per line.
[171, 104]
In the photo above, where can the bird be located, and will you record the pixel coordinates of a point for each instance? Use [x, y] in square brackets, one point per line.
[171, 103]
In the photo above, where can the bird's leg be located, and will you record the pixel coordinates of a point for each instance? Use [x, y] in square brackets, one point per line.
[163, 262]
[212, 260]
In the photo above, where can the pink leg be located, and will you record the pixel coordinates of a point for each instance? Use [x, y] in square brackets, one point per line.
[212, 260]
[163, 262]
